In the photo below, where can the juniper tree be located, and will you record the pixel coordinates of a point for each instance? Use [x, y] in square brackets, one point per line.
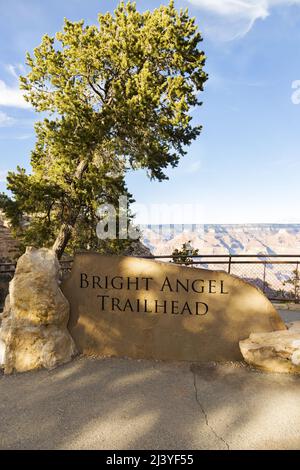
[185, 254]
[117, 97]
[294, 282]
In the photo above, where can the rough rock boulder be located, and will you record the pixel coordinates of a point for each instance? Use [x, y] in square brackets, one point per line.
[33, 331]
[278, 351]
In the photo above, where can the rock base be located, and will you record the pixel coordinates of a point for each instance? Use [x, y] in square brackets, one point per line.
[33, 331]
[278, 351]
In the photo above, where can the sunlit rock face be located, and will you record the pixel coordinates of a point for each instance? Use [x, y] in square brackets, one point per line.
[124, 306]
[278, 351]
[33, 330]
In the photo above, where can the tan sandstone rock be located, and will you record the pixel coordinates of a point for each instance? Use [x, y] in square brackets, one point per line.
[123, 306]
[278, 351]
[33, 331]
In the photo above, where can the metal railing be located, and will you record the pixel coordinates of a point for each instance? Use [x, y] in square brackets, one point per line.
[275, 275]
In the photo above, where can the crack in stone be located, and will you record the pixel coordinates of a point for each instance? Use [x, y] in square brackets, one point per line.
[205, 414]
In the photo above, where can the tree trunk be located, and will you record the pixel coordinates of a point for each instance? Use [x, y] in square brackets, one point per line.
[62, 239]
[66, 229]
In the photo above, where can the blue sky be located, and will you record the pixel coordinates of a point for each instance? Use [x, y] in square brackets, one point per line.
[245, 166]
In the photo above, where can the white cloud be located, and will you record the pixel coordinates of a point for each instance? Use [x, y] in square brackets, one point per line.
[242, 8]
[193, 167]
[3, 175]
[235, 18]
[15, 70]
[24, 137]
[16, 137]
[296, 94]
[5, 120]
[11, 96]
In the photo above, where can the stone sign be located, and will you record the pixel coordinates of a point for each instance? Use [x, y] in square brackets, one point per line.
[139, 308]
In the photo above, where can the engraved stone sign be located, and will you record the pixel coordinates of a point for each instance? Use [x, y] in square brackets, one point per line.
[139, 308]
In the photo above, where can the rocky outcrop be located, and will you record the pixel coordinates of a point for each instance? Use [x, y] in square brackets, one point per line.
[33, 331]
[278, 351]
[137, 248]
[9, 246]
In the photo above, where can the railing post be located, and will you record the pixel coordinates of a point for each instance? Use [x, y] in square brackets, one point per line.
[296, 300]
[229, 264]
[264, 285]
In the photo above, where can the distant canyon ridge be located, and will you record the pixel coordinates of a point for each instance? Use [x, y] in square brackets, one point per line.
[241, 239]
[215, 239]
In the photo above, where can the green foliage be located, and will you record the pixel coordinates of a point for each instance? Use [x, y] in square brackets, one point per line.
[117, 96]
[294, 282]
[183, 256]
